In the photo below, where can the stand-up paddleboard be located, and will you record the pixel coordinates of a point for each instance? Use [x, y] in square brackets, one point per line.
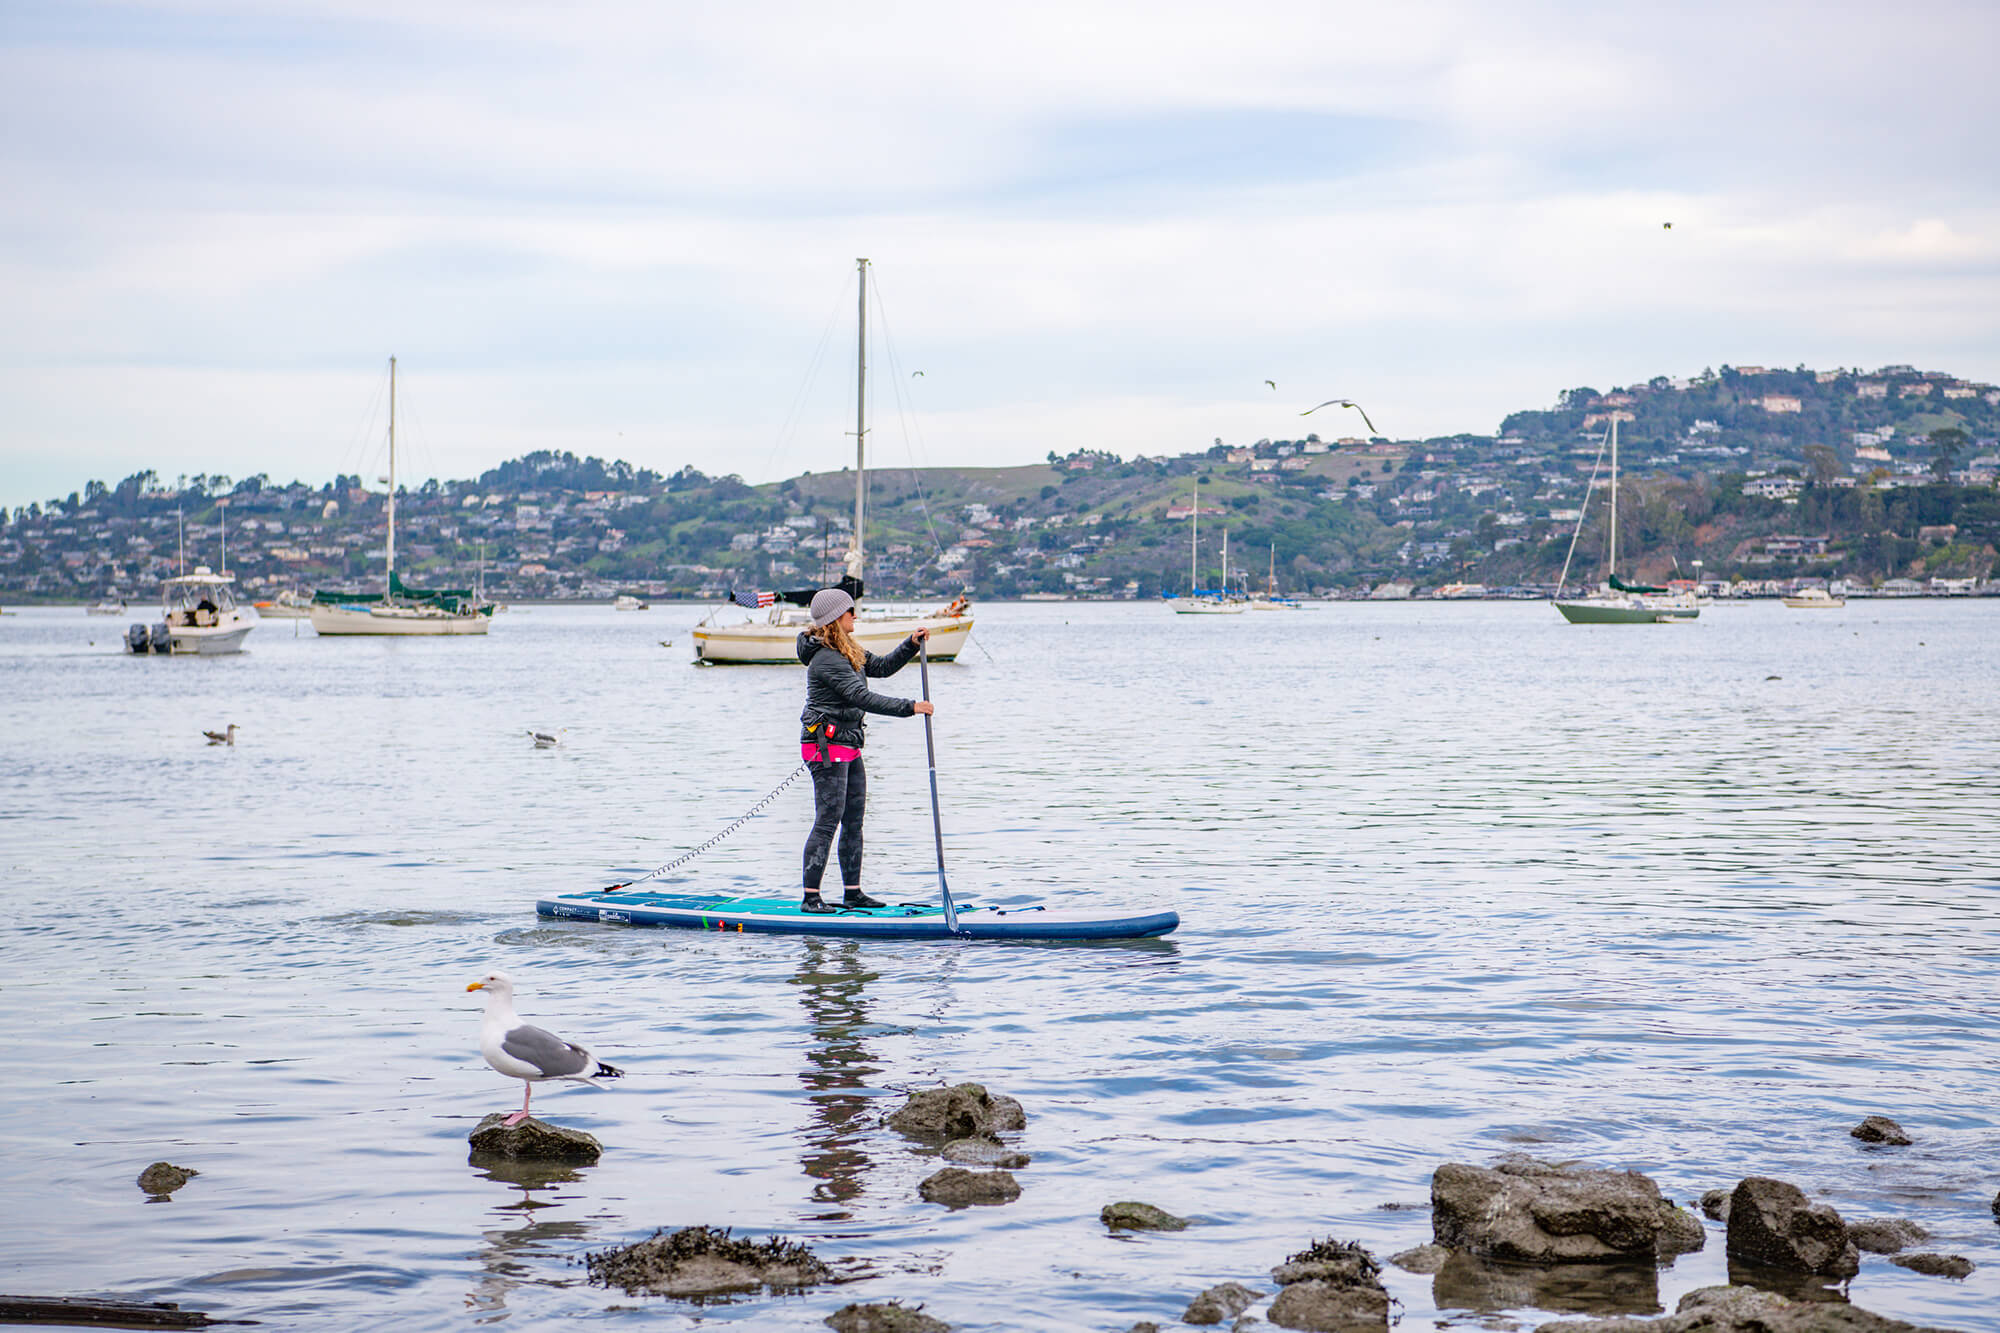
[901, 921]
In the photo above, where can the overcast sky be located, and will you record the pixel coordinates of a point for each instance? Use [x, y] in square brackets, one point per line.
[630, 230]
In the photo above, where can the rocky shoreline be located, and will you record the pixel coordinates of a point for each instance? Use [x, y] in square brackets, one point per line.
[1518, 1233]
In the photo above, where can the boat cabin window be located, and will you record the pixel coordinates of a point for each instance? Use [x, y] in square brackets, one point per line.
[201, 599]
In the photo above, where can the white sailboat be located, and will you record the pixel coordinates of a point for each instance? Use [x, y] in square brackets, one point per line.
[1201, 601]
[1616, 602]
[774, 639]
[400, 610]
[1268, 600]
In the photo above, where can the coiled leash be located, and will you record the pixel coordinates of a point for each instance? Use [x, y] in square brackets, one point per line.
[691, 854]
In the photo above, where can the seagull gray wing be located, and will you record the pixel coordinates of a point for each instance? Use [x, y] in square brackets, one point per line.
[1364, 418]
[546, 1051]
[1328, 403]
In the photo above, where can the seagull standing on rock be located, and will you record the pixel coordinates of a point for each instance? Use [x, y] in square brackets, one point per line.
[531, 1054]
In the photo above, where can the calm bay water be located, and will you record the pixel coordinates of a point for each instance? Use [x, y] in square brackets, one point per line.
[1456, 880]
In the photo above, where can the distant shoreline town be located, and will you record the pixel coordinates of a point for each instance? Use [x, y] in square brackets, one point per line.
[1750, 480]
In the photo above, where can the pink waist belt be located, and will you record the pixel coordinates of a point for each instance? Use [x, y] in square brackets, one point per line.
[809, 751]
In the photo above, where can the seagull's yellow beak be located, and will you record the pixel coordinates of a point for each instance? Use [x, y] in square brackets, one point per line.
[477, 985]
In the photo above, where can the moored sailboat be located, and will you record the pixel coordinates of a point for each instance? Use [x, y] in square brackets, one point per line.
[773, 640]
[1616, 602]
[400, 610]
[1200, 601]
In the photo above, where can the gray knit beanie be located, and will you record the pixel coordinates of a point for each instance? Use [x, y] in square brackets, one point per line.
[829, 605]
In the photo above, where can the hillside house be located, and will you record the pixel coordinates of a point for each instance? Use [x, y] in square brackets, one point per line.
[1871, 389]
[1782, 402]
[1914, 389]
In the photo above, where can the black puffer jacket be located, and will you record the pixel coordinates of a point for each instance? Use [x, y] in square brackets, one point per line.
[837, 694]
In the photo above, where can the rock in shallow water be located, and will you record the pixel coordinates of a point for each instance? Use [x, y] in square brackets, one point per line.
[1220, 1303]
[701, 1261]
[1331, 1287]
[955, 1187]
[1745, 1310]
[163, 1178]
[1715, 1203]
[1425, 1259]
[967, 1111]
[533, 1140]
[1881, 1129]
[1935, 1265]
[1885, 1235]
[984, 1152]
[1770, 1223]
[1528, 1211]
[1140, 1217]
[883, 1317]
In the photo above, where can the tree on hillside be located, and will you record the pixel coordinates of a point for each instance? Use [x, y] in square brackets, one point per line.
[1822, 464]
[1947, 443]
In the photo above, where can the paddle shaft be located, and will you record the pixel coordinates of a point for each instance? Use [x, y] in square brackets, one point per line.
[937, 821]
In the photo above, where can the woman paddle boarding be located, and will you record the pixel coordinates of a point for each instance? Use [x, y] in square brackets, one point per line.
[837, 697]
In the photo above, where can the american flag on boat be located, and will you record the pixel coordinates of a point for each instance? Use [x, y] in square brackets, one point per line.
[755, 601]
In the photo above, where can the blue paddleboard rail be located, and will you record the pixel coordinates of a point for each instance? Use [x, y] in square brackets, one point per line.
[905, 921]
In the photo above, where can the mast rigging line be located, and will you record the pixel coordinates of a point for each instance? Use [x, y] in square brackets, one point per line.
[1582, 510]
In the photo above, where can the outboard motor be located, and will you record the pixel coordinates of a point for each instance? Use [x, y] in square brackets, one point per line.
[136, 639]
[163, 640]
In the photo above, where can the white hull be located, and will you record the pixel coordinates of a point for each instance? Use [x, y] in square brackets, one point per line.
[224, 638]
[382, 619]
[1206, 606]
[777, 643]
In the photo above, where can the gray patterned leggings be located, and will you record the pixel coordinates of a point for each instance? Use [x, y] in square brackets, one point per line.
[840, 798]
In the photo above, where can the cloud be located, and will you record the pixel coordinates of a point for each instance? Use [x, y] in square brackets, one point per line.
[1087, 217]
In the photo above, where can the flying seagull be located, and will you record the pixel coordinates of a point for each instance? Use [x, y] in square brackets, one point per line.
[1344, 402]
[222, 737]
[916, 374]
[1666, 226]
[1273, 384]
[521, 1050]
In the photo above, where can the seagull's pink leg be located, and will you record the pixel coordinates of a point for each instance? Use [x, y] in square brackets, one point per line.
[527, 1091]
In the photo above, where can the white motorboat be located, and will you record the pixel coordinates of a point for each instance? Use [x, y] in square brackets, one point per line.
[625, 601]
[107, 607]
[773, 640]
[1814, 599]
[401, 610]
[200, 617]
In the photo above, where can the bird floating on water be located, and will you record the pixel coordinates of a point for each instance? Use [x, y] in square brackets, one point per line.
[531, 1054]
[1344, 402]
[222, 737]
[547, 740]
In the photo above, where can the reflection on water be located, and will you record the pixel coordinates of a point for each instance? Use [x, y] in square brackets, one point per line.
[831, 978]
[1792, 1286]
[513, 1256]
[1467, 1282]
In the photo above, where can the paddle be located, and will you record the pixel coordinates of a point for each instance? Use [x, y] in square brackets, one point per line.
[937, 823]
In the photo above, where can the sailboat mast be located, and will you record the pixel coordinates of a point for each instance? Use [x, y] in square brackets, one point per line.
[1611, 556]
[857, 552]
[1194, 540]
[389, 585]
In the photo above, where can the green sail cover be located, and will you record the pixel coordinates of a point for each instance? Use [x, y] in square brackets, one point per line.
[1619, 585]
[458, 601]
